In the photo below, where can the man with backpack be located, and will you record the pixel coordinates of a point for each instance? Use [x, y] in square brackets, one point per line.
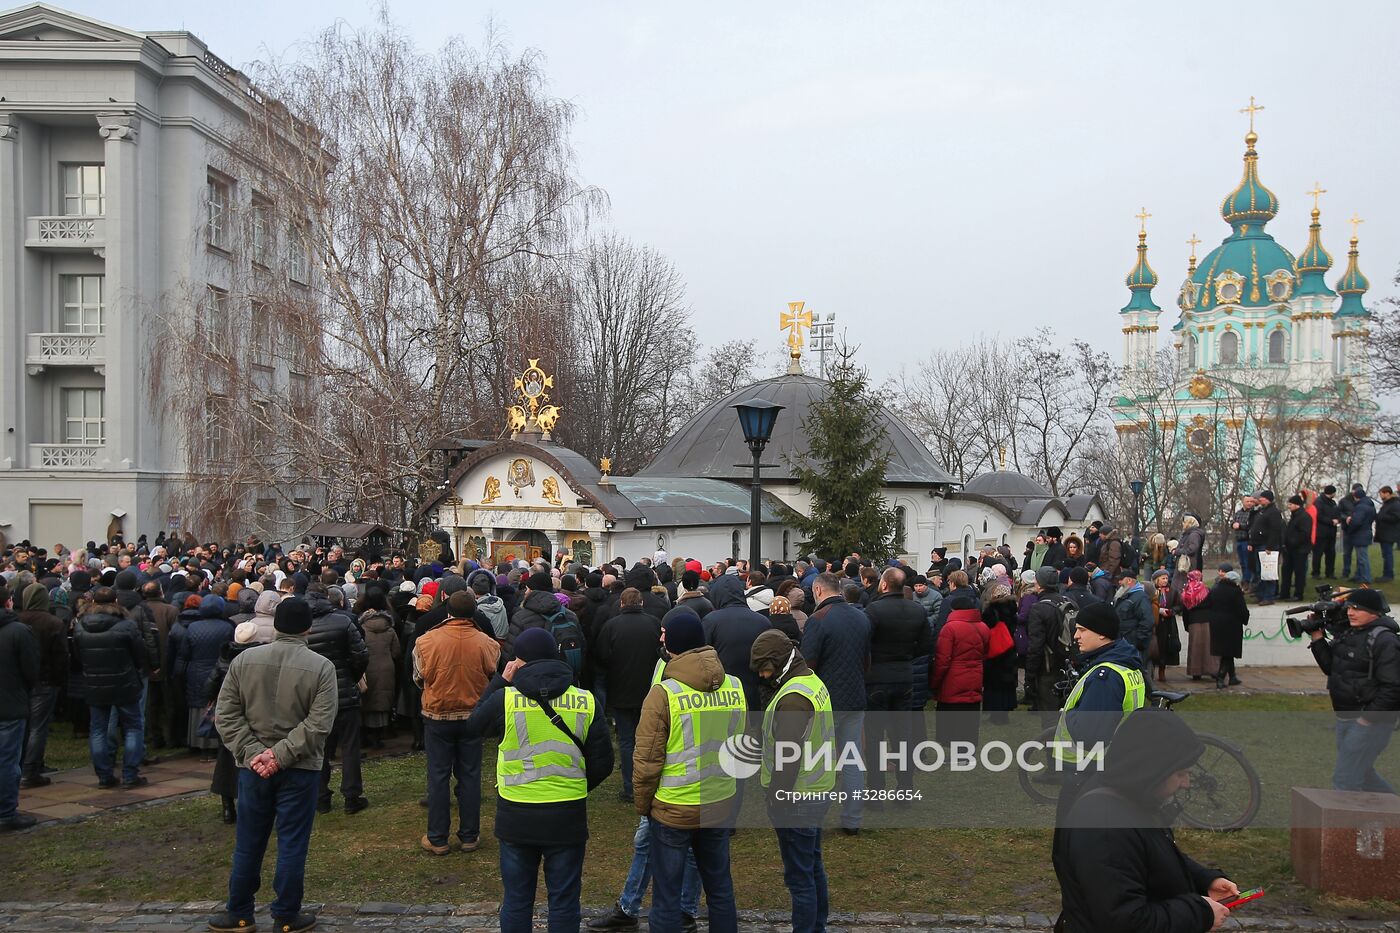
[625, 650]
[539, 608]
[1050, 625]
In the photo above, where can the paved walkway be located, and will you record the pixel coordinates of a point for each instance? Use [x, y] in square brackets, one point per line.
[191, 917]
[74, 794]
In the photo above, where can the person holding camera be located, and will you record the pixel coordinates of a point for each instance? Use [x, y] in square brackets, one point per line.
[1362, 664]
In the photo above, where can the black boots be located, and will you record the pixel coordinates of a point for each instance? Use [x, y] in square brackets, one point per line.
[230, 815]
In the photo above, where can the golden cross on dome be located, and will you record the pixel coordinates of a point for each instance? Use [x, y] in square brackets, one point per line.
[795, 320]
[605, 465]
[1142, 216]
[1194, 242]
[1252, 109]
[1317, 192]
[1355, 222]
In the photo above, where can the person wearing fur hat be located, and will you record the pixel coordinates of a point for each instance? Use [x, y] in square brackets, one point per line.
[798, 714]
[274, 713]
[542, 801]
[1114, 854]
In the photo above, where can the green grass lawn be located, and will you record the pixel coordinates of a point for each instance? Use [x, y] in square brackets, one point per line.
[180, 851]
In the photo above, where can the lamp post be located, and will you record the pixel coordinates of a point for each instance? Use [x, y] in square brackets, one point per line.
[1137, 486]
[756, 418]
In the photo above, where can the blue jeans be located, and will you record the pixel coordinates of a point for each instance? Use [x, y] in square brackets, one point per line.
[1387, 559]
[1266, 589]
[41, 704]
[669, 848]
[451, 752]
[849, 724]
[114, 726]
[626, 721]
[639, 876]
[11, 751]
[1363, 563]
[803, 870]
[1358, 747]
[132, 723]
[563, 881]
[1347, 550]
[288, 800]
[1242, 558]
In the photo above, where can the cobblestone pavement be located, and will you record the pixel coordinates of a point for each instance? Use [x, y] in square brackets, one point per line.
[378, 917]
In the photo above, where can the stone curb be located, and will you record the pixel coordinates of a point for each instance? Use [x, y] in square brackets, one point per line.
[122, 915]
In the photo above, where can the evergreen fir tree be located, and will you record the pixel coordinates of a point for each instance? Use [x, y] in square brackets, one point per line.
[844, 469]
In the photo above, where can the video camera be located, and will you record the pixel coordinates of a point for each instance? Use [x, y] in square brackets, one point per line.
[1329, 612]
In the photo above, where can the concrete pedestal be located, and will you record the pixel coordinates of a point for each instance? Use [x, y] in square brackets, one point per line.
[1347, 843]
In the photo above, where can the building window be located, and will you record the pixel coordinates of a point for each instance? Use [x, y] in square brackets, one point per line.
[787, 541]
[1192, 351]
[84, 190]
[298, 260]
[83, 310]
[901, 527]
[734, 544]
[221, 328]
[220, 203]
[299, 390]
[1278, 347]
[262, 232]
[218, 430]
[1229, 348]
[1341, 345]
[82, 417]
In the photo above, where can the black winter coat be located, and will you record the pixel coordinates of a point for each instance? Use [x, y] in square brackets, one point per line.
[1297, 536]
[1124, 871]
[535, 612]
[1266, 532]
[1388, 521]
[336, 637]
[999, 673]
[1347, 662]
[1225, 609]
[199, 653]
[1327, 514]
[899, 632]
[112, 653]
[19, 666]
[625, 650]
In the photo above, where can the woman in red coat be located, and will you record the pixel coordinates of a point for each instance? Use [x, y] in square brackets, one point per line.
[955, 678]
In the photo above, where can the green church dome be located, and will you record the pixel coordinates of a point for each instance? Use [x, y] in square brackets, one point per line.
[1314, 261]
[1251, 202]
[1352, 286]
[1141, 280]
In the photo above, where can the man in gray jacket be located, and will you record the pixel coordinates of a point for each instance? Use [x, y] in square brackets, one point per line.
[275, 710]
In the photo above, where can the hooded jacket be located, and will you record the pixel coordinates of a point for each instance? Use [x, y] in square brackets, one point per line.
[690, 601]
[1134, 616]
[335, 636]
[956, 676]
[113, 655]
[543, 824]
[50, 634]
[1100, 708]
[19, 667]
[625, 650]
[731, 630]
[382, 644]
[793, 712]
[700, 669]
[264, 613]
[163, 616]
[536, 611]
[200, 648]
[1116, 859]
[1347, 660]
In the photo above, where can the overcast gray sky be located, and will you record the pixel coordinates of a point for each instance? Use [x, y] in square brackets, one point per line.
[929, 171]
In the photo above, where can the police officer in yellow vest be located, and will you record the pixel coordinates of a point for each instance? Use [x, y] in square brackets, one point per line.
[799, 733]
[1111, 686]
[677, 777]
[554, 749]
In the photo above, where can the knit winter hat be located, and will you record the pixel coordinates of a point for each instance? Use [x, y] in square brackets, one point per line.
[535, 644]
[1048, 578]
[246, 633]
[1368, 600]
[684, 633]
[540, 582]
[1101, 618]
[293, 616]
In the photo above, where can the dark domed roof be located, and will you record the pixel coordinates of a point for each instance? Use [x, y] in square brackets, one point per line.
[711, 444]
[1006, 484]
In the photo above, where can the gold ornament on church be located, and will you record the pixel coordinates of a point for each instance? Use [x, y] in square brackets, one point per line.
[492, 492]
[1201, 386]
[520, 475]
[795, 320]
[550, 489]
[534, 414]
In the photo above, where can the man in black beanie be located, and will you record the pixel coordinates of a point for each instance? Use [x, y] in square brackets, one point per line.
[540, 609]
[275, 711]
[1111, 687]
[1114, 853]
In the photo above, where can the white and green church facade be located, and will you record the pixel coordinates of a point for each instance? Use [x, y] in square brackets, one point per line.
[1265, 379]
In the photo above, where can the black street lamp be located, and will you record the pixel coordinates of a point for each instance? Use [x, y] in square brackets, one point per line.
[756, 418]
[1137, 487]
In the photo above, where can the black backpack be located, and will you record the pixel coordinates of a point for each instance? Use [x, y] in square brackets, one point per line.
[568, 637]
[1059, 644]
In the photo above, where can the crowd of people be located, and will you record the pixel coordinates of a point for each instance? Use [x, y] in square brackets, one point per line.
[274, 661]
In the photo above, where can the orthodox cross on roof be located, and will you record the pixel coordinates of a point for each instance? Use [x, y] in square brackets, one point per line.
[1317, 192]
[1193, 243]
[1252, 109]
[795, 320]
[1355, 222]
[1142, 216]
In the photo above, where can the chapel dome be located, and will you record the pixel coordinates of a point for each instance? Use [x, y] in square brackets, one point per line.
[711, 443]
[1006, 484]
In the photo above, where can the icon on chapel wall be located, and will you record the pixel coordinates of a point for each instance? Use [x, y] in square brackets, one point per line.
[550, 486]
[522, 474]
[474, 548]
[492, 492]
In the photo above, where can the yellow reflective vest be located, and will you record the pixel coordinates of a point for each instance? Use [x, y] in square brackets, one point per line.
[818, 752]
[1134, 698]
[536, 763]
[700, 724]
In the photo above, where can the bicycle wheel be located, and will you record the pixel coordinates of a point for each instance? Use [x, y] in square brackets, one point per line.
[1040, 785]
[1225, 791]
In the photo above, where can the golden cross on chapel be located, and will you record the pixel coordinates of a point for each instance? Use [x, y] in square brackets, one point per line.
[1317, 192]
[1252, 109]
[795, 320]
[1194, 242]
[1142, 216]
[1355, 222]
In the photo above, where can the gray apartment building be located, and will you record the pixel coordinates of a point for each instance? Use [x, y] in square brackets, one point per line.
[119, 217]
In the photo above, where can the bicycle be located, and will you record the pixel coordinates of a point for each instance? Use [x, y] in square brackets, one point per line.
[1225, 792]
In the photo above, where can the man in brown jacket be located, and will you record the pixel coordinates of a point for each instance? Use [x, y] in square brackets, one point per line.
[159, 699]
[51, 635]
[677, 779]
[453, 664]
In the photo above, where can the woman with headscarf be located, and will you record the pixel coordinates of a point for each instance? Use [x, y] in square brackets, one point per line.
[1199, 661]
[1225, 612]
[1166, 637]
[385, 652]
[1190, 545]
[199, 651]
[999, 673]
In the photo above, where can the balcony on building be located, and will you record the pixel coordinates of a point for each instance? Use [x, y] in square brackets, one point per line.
[67, 456]
[66, 234]
[65, 349]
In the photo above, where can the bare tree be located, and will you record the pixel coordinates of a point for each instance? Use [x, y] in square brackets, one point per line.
[1064, 397]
